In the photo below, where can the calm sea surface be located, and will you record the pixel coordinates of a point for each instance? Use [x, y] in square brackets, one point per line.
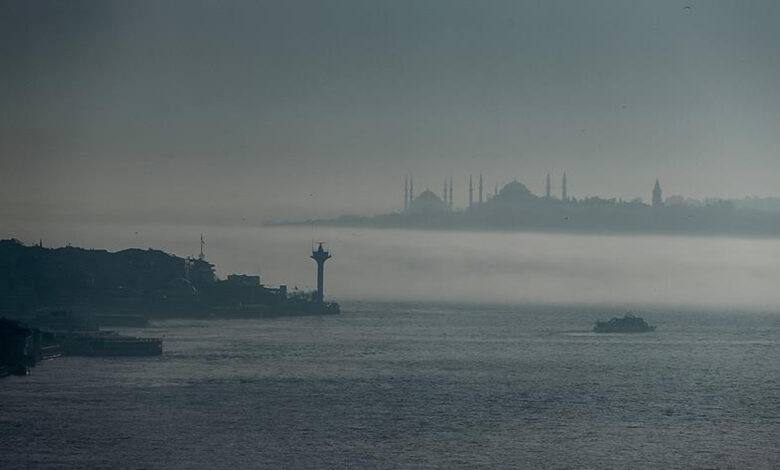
[414, 385]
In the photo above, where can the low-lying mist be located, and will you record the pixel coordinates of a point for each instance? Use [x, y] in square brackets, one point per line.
[469, 266]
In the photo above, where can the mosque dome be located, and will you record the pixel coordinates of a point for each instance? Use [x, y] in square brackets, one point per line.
[427, 202]
[428, 196]
[515, 191]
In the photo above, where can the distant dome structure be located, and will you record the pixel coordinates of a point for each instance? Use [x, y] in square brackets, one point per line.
[514, 191]
[428, 203]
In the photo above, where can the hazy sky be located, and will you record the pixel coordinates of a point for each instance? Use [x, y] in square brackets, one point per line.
[183, 110]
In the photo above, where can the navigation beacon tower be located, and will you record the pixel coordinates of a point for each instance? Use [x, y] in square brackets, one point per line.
[320, 255]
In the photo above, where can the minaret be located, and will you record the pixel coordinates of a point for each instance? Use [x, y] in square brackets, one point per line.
[547, 187]
[657, 200]
[471, 192]
[411, 189]
[202, 255]
[480, 188]
[406, 193]
[320, 255]
[450, 192]
[564, 194]
[445, 192]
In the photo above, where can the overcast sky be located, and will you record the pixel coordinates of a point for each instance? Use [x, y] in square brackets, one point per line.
[181, 110]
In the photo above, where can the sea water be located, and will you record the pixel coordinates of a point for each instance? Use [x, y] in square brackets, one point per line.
[413, 385]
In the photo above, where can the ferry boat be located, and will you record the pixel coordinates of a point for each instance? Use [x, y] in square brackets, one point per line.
[628, 324]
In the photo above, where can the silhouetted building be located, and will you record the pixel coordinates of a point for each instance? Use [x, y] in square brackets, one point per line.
[198, 271]
[244, 279]
[181, 291]
[514, 207]
[128, 280]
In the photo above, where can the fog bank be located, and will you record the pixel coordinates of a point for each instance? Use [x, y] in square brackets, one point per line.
[467, 266]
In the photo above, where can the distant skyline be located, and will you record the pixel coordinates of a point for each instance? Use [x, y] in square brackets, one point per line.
[247, 110]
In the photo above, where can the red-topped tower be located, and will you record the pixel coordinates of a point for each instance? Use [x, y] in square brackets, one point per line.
[320, 255]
